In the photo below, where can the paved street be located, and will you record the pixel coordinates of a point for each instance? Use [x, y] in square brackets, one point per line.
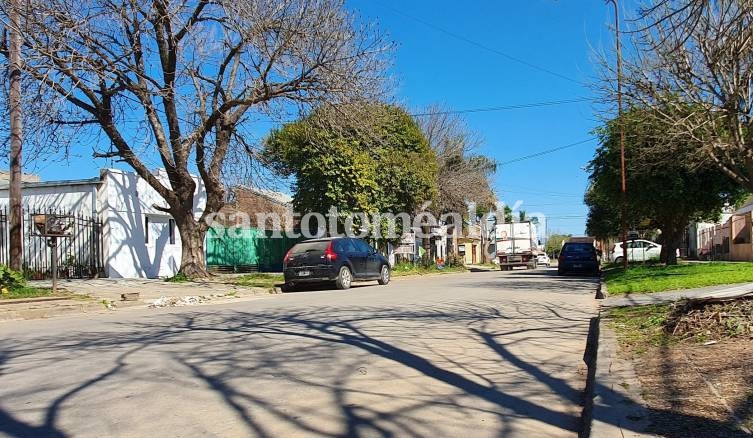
[481, 354]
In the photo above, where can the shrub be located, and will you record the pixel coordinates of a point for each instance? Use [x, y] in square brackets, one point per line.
[178, 278]
[10, 279]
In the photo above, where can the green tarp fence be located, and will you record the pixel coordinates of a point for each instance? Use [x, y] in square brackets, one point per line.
[249, 249]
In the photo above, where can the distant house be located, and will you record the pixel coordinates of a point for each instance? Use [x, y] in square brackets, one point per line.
[729, 239]
[116, 230]
[253, 201]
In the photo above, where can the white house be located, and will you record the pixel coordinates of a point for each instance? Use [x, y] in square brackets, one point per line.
[137, 240]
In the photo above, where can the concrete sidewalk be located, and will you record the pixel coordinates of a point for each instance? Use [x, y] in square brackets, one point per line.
[104, 295]
[722, 291]
[618, 408]
[150, 289]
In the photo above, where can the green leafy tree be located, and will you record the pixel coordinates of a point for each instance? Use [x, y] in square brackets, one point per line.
[554, 243]
[381, 164]
[662, 193]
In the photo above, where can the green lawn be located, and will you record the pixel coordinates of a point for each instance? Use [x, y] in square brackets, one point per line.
[657, 278]
[259, 280]
[26, 292]
[405, 269]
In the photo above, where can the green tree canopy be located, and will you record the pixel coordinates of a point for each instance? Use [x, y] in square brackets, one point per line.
[667, 187]
[381, 164]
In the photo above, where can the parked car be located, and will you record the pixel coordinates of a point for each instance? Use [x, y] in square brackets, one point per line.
[637, 251]
[543, 260]
[578, 257]
[341, 260]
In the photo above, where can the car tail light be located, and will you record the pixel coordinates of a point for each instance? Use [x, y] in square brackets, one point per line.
[287, 257]
[330, 253]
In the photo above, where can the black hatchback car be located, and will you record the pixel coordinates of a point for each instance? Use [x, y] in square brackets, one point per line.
[341, 260]
[578, 257]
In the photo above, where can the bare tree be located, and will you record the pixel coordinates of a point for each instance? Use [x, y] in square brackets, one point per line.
[464, 175]
[175, 81]
[693, 64]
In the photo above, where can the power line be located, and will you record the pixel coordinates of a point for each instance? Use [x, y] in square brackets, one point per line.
[545, 152]
[480, 45]
[504, 108]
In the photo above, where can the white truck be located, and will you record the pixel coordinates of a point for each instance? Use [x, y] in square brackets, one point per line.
[516, 245]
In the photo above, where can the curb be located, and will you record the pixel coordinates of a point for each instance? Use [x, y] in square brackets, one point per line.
[54, 311]
[601, 289]
[613, 406]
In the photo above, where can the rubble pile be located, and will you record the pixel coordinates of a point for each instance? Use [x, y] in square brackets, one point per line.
[708, 319]
[190, 300]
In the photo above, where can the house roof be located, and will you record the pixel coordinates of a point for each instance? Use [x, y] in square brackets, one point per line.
[747, 206]
[59, 183]
[271, 195]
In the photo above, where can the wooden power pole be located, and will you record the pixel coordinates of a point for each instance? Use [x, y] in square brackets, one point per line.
[15, 218]
[623, 183]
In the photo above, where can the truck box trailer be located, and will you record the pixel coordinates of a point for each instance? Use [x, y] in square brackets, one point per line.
[516, 245]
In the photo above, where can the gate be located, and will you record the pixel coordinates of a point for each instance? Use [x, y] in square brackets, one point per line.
[80, 253]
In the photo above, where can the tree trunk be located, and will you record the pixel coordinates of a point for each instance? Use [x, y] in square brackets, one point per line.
[672, 240]
[193, 258]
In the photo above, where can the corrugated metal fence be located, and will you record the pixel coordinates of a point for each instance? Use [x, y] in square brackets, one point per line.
[251, 251]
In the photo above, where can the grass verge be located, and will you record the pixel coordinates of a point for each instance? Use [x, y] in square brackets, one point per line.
[640, 328]
[28, 292]
[259, 279]
[406, 269]
[658, 278]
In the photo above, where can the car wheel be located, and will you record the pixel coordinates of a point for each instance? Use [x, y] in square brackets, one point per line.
[344, 278]
[384, 275]
[288, 287]
[618, 260]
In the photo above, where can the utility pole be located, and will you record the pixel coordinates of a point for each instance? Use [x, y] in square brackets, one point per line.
[623, 183]
[16, 137]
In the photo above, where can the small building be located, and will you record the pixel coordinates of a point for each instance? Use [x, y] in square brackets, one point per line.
[741, 236]
[115, 232]
[470, 246]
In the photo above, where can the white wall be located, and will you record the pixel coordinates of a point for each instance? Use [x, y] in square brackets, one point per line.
[78, 198]
[127, 202]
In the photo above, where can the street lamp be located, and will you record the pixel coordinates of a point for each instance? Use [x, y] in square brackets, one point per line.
[623, 184]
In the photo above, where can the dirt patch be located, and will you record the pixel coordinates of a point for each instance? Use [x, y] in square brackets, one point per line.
[694, 363]
[689, 388]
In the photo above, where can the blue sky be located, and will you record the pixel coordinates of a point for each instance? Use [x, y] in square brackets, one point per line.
[439, 60]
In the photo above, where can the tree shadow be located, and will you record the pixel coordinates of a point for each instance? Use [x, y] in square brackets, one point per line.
[365, 370]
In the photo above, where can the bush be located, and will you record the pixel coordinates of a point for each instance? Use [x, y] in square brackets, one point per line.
[178, 278]
[10, 279]
[454, 261]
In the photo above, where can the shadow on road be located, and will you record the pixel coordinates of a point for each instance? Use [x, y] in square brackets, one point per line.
[328, 351]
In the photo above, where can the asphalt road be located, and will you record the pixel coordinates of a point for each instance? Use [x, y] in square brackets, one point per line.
[477, 354]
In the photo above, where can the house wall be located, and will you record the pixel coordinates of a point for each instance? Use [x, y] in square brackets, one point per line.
[741, 237]
[251, 203]
[127, 205]
[471, 247]
[74, 199]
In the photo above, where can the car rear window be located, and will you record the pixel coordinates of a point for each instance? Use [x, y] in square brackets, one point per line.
[578, 247]
[319, 245]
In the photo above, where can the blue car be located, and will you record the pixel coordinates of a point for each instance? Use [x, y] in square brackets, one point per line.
[578, 257]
